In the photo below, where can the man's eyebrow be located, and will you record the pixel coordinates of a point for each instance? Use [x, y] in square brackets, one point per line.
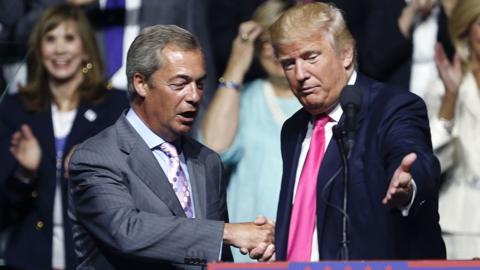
[187, 77]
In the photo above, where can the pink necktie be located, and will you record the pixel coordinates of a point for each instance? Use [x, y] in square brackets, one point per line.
[302, 221]
[177, 178]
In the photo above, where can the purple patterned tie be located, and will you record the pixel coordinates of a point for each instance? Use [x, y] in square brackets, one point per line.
[177, 178]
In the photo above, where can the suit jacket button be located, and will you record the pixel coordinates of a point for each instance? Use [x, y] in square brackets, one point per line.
[39, 226]
[34, 194]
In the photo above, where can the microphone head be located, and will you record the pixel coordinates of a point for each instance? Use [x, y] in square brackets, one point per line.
[351, 95]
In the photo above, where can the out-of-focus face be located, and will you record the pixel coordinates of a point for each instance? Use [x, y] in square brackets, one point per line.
[268, 60]
[474, 37]
[315, 71]
[172, 97]
[62, 52]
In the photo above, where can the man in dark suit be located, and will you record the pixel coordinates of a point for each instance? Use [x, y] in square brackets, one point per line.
[393, 184]
[144, 195]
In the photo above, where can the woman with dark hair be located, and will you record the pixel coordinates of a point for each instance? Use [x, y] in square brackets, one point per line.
[64, 102]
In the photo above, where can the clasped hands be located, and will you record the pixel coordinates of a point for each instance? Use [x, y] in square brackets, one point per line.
[253, 238]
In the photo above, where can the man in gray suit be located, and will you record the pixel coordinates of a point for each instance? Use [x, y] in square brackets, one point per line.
[142, 194]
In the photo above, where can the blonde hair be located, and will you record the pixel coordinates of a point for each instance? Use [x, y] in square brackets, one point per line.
[269, 11]
[302, 20]
[463, 16]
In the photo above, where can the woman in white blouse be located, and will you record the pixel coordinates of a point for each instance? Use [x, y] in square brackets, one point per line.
[454, 108]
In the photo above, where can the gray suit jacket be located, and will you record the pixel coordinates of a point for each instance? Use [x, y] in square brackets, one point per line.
[127, 216]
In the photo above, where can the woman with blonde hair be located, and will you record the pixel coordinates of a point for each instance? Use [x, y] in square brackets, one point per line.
[250, 118]
[454, 111]
[64, 102]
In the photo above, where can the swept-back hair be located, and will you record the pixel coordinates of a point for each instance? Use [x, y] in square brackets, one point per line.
[145, 54]
[303, 20]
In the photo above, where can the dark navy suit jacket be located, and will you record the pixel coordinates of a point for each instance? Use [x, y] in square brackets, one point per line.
[392, 123]
[30, 206]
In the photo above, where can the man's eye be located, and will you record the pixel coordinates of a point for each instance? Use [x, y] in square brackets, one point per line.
[177, 86]
[287, 65]
[312, 58]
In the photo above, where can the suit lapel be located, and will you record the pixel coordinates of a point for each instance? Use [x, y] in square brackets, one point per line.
[331, 163]
[42, 128]
[196, 172]
[143, 163]
[80, 129]
[295, 128]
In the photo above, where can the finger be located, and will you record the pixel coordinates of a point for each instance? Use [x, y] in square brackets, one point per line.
[268, 253]
[407, 162]
[16, 137]
[273, 258]
[271, 221]
[257, 252]
[255, 32]
[244, 251]
[440, 55]
[260, 220]
[457, 63]
[27, 132]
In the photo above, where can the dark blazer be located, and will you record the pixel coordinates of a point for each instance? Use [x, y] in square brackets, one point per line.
[392, 123]
[30, 206]
[386, 54]
[126, 214]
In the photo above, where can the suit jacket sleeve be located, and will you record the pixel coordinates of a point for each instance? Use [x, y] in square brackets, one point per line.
[406, 129]
[102, 202]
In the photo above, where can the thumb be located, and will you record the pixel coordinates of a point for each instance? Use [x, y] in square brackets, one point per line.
[407, 162]
[27, 132]
[260, 220]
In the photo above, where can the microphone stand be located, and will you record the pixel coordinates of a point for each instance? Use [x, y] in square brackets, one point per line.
[338, 134]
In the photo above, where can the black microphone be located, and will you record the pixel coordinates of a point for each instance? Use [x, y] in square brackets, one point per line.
[351, 101]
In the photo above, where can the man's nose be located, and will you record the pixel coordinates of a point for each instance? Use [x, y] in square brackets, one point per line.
[194, 93]
[300, 70]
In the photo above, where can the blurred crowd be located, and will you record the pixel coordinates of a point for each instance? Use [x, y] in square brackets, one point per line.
[63, 80]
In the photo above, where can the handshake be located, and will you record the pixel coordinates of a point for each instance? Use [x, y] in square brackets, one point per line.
[253, 238]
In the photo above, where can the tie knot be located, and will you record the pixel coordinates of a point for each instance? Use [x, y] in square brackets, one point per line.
[169, 149]
[321, 120]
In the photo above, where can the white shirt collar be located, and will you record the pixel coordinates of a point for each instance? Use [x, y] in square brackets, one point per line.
[150, 138]
[337, 111]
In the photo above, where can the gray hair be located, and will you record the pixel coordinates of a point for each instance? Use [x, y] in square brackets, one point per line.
[145, 54]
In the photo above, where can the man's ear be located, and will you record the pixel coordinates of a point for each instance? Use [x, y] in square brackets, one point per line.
[348, 56]
[140, 84]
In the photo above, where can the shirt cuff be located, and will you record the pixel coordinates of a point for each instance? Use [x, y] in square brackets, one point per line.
[220, 253]
[405, 210]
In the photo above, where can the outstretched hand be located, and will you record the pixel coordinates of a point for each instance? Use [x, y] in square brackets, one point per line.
[400, 190]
